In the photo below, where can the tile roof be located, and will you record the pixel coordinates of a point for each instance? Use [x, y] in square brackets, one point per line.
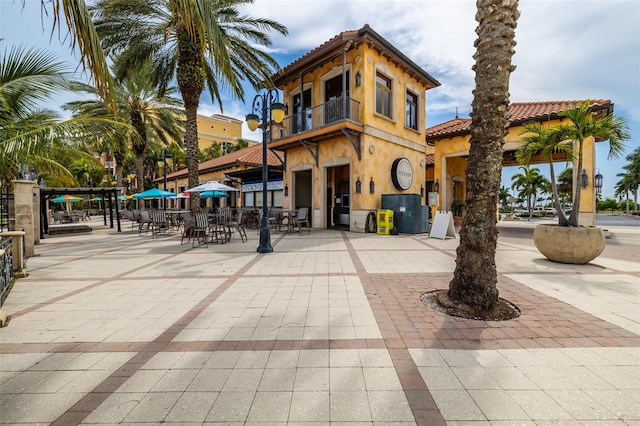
[519, 111]
[251, 156]
[334, 47]
[430, 159]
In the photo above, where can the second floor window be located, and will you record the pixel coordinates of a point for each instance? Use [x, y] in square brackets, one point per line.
[411, 111]
[383, 95]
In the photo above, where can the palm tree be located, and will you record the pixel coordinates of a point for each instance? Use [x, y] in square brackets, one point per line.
[198, 42]
[75, 15]
[633, 174]
[29, 133]
[565, 185]
[528, 184]
[473, 287]
[539, 139]
[624, 186]
[583, 124]
[139, 104]
[504, 196]
[210, 152]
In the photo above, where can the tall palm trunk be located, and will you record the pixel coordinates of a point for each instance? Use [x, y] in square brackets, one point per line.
[475, 276]
[139, 148]
[191, 77]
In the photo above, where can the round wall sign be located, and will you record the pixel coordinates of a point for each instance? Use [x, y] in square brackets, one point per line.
[402, 174]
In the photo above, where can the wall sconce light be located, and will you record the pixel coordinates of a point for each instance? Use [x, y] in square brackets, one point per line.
[358, 79]
[358, 185]
[597, 182]
[436, 186]
[286, 190]
[372, 186]
[584, 179]
[421, 191]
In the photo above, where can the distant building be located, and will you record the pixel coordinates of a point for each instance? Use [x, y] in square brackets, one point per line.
[219, 128]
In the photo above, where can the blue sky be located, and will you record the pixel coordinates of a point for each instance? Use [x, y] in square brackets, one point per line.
[567, 50]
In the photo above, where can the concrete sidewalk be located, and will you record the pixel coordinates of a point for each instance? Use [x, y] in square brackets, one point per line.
[116, 328]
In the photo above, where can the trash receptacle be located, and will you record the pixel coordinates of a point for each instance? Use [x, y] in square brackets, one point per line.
[385, 221]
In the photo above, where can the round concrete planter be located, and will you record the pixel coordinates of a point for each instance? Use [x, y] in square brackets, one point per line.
[568, 244]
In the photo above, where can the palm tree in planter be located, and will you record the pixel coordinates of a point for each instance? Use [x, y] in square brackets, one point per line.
[568, 242]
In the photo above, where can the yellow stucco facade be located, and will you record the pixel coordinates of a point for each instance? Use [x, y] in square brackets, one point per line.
[332, 142]
[218, 128]
[450, 150]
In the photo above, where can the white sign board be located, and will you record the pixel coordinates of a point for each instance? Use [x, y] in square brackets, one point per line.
[442, 226]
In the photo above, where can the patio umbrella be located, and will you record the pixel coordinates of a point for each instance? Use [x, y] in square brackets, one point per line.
[96, 199]
[153, 193]
[181, 195]
[124, 197]
[212, 185]
[67, 199]
[213, 194]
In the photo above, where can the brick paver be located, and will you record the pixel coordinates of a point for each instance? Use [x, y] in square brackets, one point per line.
[123, 329]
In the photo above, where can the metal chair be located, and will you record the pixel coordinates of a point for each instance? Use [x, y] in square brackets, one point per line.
[302, 220]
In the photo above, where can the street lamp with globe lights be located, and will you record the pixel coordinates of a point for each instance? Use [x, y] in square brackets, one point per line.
[164, 161]
[263, 104]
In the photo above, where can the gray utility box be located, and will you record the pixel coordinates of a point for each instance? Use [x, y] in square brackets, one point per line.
[410, 216]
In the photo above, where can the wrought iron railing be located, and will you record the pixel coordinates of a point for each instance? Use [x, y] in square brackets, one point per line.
[6, 267]
[5, 199]
[330, 112]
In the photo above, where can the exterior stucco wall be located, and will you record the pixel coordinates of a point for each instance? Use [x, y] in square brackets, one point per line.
[383, 140]
[449, 163]
[216, 129]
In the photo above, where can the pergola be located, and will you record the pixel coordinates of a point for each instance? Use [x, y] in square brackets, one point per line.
[109, 196]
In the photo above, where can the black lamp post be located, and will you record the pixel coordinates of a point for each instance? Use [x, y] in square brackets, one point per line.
[163, 161]
[263, 103]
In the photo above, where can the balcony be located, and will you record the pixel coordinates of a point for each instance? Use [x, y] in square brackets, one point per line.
[333, 116]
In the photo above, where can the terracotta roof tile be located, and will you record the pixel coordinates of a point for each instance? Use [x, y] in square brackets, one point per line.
[335, 45]
[333, 40]
[251, 156]
[429, 159]
[519, 112]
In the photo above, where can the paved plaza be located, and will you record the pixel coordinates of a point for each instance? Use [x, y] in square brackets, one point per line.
[115, 328]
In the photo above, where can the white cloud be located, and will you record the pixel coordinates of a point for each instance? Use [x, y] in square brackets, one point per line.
[566, 49]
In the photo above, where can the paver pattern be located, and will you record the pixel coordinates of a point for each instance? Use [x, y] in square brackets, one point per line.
[115, 328]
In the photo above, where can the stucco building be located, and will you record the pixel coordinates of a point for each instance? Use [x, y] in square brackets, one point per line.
[448, 147]
[355, 128]
[219, 128]
[241, 169]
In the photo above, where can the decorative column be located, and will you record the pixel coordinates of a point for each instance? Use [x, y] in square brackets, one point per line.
[24, 219]
[36, 214]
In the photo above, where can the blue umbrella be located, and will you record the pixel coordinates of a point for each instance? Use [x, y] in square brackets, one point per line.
[213, 194]
[153, 193]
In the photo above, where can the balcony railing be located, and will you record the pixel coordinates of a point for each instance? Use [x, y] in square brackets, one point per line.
[319, 116]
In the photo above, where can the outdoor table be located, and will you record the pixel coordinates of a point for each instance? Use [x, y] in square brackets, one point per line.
[218, 228]
[290, 215]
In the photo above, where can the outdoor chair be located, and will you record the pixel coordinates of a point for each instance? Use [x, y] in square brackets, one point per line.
[302, 220]
[144, 222]
[237, 226]
[159, 224]
[275, 219]
[219, 230]
[135, 217]
[201, 230]
[57, 217]
[270, 220]
[188, 227]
